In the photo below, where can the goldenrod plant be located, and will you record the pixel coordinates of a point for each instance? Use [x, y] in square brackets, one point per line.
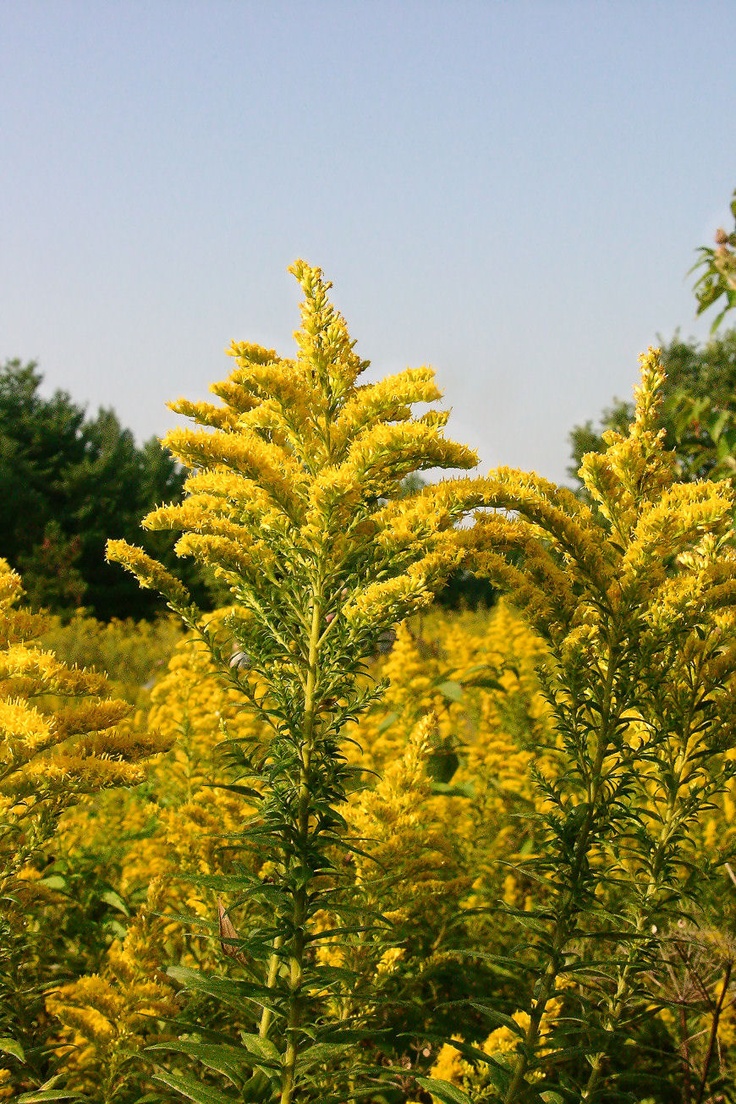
[293, 501]
[440, 818]
[413, 876]
[149, 842]
[111, 1016]
[133, 654]
[633, 596]
[61, 737]
[393, 854]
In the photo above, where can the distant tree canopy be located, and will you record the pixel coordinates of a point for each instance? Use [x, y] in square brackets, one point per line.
[699, 413]
[67, 483]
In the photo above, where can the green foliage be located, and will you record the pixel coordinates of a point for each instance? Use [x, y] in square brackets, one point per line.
[68, 483]
[717, 280]
[295, 500]
[698, 410]
[634, 596]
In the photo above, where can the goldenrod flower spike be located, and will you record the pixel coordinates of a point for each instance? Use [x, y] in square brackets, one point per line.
[61, 737]
[634, 597]
[295, 501]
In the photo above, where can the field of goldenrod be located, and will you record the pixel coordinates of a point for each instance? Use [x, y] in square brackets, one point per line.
[330, 844]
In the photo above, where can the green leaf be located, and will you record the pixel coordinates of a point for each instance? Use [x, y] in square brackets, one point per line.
[451, 690]
[463, 789]
[497, 1018]
[110, 897]
[46, 1094]
[387, 721]
[9, 1046]
[201, 1094]
[235, 787]
[233, 1062]
[264, 1048]
[54, 881]
[225, 989]
[486, 682]
[444, 1091]
[320, 1052]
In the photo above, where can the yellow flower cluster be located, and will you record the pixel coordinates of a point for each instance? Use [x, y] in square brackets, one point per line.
[59, 736]
[110, 1018]
[303, 465]
[501, 1045]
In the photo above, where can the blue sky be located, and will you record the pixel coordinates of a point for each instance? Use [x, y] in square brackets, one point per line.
[511, 191]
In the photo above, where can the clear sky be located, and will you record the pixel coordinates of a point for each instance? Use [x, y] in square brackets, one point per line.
[511, 191]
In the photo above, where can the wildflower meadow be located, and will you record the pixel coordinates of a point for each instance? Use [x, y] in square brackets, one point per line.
[320, 839]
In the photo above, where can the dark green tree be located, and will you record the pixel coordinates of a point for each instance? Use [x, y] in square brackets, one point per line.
[69, 482]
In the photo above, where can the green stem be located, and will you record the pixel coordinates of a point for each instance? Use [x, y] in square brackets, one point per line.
[299, 917]
[273, 969]
[644, 915]
[714, 1033]
[566, 920]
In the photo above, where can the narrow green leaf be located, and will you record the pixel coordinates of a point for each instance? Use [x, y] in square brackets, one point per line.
[495, 1017]
[387, 721]
[320, 1052]
[225, 989]
[110, 897]
[487, 683]
[9, 1046]
[231, 1061]
[444, 1091]
[463, 789]
[201, 1094]
[234, 787]
[46, 1094]
[451, 690]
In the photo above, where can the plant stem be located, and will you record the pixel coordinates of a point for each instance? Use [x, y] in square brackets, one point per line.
[299, 917]
[566, 920]
[685, 1052]
[273, 969]
[714, 1032]
[643, 918]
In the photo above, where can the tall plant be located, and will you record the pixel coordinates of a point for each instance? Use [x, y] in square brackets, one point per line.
[634, 597]
[61, 737]
[294, 501]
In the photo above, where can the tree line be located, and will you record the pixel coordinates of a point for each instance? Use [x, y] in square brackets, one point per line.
[67, 482]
